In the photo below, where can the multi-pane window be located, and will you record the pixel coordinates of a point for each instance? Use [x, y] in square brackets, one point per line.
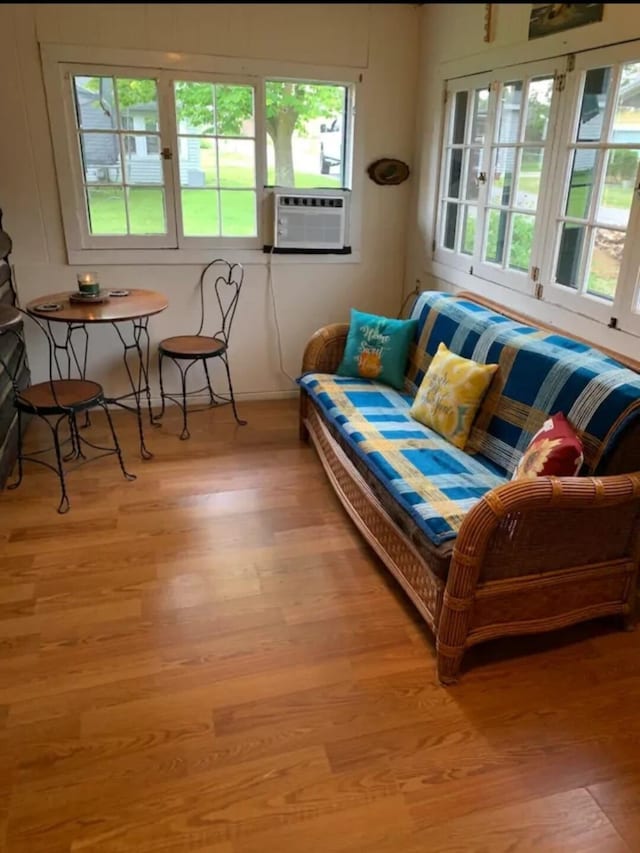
[464, 168]
[185, 160]
[517, 158]
[217, 159]
[123, 195]
[539, 181]
[307, 134]
[603, 155]
[495, 152]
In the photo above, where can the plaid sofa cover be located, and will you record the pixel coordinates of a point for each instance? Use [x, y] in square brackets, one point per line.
[436, 483]
[540, 373]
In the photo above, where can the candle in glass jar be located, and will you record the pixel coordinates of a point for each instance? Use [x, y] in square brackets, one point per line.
[88, 283]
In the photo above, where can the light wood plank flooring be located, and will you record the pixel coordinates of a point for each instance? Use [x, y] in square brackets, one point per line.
[210, 659]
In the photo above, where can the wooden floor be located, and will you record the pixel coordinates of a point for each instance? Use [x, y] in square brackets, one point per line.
[209, 659]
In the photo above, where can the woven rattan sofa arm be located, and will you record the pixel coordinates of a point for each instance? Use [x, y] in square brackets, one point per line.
[325, 349]
[499, 513]
[525, 531]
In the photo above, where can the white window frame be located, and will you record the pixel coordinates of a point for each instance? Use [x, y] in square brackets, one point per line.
[348, 124]
[230, 70]
[454, 257]
[475, 264]
[189, 242]
[70, 167]
[516, 279]
[624, 312]
[624, 307]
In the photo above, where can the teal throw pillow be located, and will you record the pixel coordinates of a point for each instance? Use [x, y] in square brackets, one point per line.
[377, 348]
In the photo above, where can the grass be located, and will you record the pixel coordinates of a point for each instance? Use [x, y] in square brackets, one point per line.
[603, 274]
[614, 195]
[201, 208]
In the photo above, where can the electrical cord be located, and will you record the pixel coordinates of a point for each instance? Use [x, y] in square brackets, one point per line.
[274, 308]
[414, 292]
[275, 317]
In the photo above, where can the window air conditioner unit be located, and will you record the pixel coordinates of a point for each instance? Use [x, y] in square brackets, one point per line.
[311, 221]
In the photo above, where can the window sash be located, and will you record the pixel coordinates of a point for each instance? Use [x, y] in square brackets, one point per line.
[455, 256]
[624, 307]
[347, 121]
[74, 185]
[487, 210]
[187, 241]
[511, 216]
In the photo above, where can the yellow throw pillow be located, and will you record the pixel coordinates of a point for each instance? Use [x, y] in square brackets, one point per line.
[450, 394]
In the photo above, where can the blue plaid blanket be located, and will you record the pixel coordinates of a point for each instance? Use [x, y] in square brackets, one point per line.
[436, 483]
[540, 373]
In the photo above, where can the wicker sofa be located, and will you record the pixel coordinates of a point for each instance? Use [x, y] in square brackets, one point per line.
[528, 556]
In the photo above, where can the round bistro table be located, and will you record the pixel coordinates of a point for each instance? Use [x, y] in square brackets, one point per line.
[128, 312]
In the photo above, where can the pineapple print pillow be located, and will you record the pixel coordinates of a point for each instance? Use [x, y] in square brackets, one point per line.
[450, 394]
[377, 348]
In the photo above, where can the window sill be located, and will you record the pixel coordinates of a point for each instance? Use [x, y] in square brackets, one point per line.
[184, 257]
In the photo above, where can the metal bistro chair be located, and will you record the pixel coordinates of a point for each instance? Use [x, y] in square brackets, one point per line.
[60, 400]
[187, 350]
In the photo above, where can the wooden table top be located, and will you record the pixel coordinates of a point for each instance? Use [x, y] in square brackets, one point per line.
[138, 303]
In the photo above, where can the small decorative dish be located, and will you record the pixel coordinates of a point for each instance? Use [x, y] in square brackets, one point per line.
[118, 293]
[388, 171]
[49, 306]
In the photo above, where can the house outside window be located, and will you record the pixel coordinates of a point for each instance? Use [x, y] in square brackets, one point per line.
[152, 140]
[130, 145]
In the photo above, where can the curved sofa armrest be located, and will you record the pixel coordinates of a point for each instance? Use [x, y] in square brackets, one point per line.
[325, 349]
[543, 525]
[569, 547]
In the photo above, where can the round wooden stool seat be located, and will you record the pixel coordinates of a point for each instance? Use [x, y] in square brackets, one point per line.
[192, 346]
[76, 394]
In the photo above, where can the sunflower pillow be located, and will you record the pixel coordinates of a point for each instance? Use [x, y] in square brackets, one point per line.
[450, 395]
[555, 450]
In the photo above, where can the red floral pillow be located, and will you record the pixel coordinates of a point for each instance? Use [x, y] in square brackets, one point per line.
[555, 450]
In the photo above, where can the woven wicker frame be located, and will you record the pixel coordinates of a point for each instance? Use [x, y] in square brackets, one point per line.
[501, 582]
[322, 354]
[387, 540]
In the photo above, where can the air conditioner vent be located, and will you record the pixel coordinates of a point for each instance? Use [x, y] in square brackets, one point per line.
[309, 221]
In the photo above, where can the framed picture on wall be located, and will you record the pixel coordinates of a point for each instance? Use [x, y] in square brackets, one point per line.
[548, 18]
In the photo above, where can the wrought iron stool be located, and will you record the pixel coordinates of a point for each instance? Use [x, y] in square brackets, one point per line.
[187, 350]
[59, 399]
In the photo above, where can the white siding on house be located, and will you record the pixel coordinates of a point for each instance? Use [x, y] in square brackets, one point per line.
[102, 156]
